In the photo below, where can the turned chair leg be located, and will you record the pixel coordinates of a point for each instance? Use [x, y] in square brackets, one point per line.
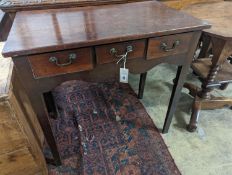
[196, 108]
[142, 83]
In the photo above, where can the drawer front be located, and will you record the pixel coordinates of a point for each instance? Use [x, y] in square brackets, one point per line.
[168, 45]
[57, 63]
[104, 54]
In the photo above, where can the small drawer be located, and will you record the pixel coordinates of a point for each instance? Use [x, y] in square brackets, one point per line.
[57, 63]
[104, 55]
[168, 45]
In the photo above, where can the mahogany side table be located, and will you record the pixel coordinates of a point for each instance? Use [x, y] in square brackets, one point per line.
[49, 47]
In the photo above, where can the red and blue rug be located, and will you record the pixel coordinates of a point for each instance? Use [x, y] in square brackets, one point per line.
[103, 129]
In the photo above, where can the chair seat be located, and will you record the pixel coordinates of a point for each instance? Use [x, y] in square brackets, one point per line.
[202, 67]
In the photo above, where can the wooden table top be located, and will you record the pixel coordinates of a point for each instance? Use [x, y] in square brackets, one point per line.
[218, 14]
[19, 5]
[41, 31]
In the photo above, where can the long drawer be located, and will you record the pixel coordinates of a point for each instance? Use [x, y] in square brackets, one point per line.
[57, 63]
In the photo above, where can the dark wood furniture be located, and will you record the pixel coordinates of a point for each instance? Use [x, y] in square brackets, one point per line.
[83, 38]
[6, 20]
[21, 137]
[215, 71]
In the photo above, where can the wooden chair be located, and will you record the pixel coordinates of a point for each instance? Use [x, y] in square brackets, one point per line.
[215, 71]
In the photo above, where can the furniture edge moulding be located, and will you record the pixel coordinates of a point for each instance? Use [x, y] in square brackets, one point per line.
[19, 5]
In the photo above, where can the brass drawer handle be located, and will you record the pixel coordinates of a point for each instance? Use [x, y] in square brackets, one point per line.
[114, 52]
[165, 47]
[71, 58]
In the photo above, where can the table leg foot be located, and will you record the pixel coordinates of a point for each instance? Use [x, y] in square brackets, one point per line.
[192, 126]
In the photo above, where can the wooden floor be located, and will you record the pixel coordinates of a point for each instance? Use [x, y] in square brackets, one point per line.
[180, 4]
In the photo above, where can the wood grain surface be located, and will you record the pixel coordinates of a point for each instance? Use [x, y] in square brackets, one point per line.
[21, 137]
[17, 5]
[156, 51]
[103, 54]
[41, 66]
[20, 162]
[218, 14]
[58, 29]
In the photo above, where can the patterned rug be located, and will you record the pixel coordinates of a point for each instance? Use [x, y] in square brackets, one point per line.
[103, 129]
